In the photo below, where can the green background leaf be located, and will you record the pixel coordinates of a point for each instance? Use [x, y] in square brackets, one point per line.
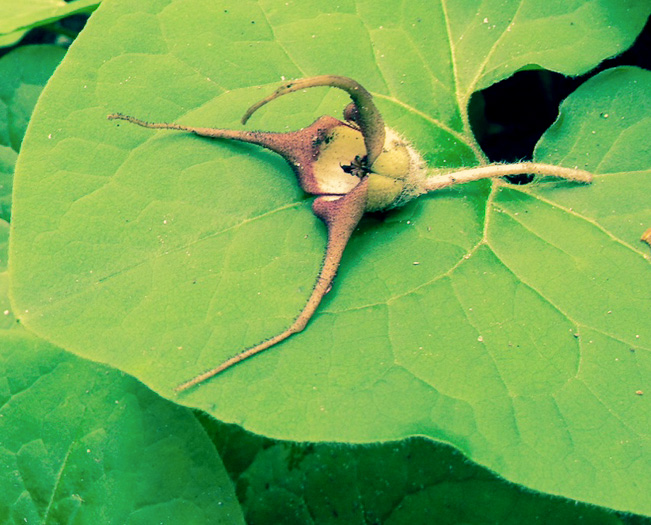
[414, 481]
[162, 254]
[85, 444]
[7, 317]
[17, 16]
[23, 74]
[7, 164]
[9, 39]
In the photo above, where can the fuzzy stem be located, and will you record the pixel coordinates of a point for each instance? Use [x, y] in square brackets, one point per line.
[341, 215]
[370, 120]
[437, 182]
[294, 146]
[253, 137]
[322, 285]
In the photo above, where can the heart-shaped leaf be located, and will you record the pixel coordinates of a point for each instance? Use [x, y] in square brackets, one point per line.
[162, 254]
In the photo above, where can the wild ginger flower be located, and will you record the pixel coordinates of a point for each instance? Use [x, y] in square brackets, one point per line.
[352, 166]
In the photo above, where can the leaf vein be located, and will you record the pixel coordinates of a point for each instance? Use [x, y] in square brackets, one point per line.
[578, 216]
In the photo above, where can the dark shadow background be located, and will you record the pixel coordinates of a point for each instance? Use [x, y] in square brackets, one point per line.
[509, 117]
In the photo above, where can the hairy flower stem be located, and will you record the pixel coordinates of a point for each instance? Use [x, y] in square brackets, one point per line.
[299, 148]
[341, 215]
[437, 182]
[268, 140]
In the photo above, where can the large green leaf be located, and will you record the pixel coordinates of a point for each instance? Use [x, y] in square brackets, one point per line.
[80, 443]
[162, 254]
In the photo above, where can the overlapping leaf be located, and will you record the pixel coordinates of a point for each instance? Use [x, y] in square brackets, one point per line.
[85, 444]
[17, 17]
[7, 163]
[7, 317]
[23, 73]
[163, 254]
[412, 481]
[10, 39]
